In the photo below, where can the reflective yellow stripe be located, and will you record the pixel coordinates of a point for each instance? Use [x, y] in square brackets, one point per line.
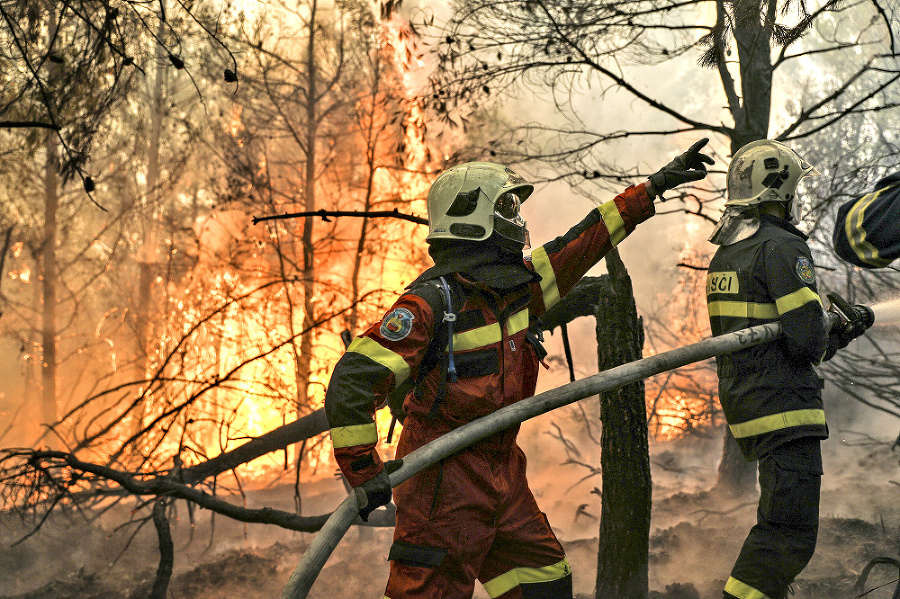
[613, 221]
[517, 322]
[479, 337]
[776, 422]
[742, 309]
[390, 360]
[794, 300]
[517, 576]
[743, 591]
[543, 267]
[856, 235]
[490, 333]
[357, 434]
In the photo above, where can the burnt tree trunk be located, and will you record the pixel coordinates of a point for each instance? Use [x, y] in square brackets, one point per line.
[751, 113]
[754, 22]
[623, 554]
[166, 551]
[48, 273]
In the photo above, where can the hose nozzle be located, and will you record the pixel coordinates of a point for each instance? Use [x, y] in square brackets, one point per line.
[865, 314]
[862, 317]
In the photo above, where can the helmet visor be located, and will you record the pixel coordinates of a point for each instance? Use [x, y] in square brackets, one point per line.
[508, 222]
[507, 206]
[514, 238]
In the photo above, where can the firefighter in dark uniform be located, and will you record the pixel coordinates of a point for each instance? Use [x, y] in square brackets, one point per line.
[770, 394]
[472, 516]
[867, 230]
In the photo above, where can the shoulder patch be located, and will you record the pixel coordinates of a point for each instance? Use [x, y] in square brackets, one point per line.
[805, 270]
[396, 324]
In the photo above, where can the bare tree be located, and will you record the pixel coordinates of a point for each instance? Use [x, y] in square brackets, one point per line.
[66, 91]
[326, 105]
[101, 43]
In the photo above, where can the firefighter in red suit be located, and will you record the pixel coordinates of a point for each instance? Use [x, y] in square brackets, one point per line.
[472, 516]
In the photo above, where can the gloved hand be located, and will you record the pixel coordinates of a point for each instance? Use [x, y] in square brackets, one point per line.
[376, 491]
[838, 338]
[687, 167]
[853, 323]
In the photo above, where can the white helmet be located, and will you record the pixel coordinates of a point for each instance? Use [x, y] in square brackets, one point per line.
[766, 171]
[471, 201]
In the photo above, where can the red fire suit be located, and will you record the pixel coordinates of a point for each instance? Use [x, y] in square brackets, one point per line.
[471, 516]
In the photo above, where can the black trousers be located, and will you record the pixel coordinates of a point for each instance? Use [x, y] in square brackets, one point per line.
[783, 539]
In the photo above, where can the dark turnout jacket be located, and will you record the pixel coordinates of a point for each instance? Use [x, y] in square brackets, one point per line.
[867, 230]
[770, 393]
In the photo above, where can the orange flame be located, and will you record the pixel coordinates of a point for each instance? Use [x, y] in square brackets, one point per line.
[242, 330]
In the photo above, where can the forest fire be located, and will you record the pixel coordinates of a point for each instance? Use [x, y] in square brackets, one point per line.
[201, 203]
[676, 416]
[231, 349]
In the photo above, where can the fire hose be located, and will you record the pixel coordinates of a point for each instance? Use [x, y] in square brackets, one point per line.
[342, 518]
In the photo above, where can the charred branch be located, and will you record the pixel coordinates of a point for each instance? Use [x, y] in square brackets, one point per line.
[166, 551]
[277, 439]
[64, 472]
[704, 513]
[326, 214]
[860, 585]
[582, 300]
[28, 125]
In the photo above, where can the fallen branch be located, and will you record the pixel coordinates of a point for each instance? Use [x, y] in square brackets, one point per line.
[325, 214]
[303, 428]
[165, 487]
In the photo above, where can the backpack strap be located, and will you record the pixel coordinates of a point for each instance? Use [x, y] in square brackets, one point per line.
[448, 364]
[449, 318]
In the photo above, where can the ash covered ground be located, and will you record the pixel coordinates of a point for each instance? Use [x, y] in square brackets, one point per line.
[695, 536]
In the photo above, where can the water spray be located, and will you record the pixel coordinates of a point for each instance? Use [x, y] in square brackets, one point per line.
[887, 313]
[301, 580]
